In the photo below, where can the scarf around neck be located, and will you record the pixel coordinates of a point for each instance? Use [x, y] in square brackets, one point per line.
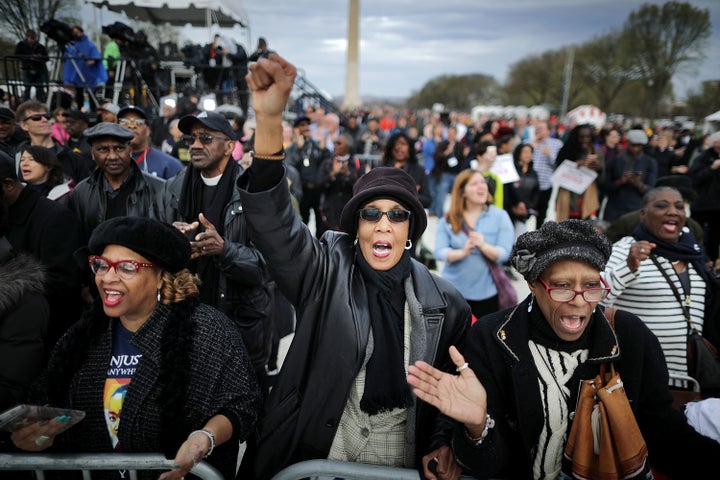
[386, 387]
[685, 249]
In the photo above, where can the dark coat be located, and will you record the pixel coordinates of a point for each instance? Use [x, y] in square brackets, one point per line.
[706, 182]
[89, 201]
[50, 232]
[220, 380]
[243, 291]
[24, 315]
[497, 350]
[321, 279]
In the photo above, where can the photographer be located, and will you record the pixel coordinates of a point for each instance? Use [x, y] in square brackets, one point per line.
[261, 51]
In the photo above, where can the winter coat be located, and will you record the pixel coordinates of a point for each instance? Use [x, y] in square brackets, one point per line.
[497, 350]
[322, 280]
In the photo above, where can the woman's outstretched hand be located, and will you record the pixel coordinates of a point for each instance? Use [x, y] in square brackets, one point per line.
[461, 397]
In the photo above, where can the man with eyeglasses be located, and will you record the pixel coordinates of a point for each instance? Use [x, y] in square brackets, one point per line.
[117, 187]
[336, 177]
[34, 119]
[203, 203]
[150, 160]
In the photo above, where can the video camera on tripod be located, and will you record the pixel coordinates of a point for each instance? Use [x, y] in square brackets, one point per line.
[59, 31]
[125, 35]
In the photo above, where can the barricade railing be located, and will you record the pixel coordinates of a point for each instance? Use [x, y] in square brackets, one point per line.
[347, 470]
[131, 462]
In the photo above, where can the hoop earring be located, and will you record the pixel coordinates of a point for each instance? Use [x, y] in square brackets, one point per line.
[159, 297]
[530, 305]
[408, 244]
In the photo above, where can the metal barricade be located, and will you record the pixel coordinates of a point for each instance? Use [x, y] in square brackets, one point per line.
[314, 469]
[131, 462]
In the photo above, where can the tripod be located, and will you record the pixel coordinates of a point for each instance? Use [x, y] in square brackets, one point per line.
[90, 89]
[120, 71]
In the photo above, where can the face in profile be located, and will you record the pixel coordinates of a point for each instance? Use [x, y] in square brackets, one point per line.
[382, 243]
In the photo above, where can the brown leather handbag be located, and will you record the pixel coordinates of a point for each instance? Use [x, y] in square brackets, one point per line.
[605, 441]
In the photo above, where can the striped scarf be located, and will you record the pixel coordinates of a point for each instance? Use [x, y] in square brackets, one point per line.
[555, 369]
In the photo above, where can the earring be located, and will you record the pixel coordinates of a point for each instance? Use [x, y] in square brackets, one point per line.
[355, 242]
[408, 244]
[531, 303]
[159, 296]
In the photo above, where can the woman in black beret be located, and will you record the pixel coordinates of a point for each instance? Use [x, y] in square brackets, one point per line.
[514, 399]
[153, 369]
[366, 310]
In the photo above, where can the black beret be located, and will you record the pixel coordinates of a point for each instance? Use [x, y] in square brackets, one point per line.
[571, 239]
[159, 242]
[385, 182]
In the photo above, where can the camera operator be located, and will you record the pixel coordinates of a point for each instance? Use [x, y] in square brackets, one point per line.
[146, 59]
[34, 69]
[83, 66]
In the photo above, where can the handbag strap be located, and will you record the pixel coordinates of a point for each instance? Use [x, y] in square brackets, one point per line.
[683, 304]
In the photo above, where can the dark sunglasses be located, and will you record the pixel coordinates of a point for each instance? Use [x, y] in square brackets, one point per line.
[38, 116]
[205, 138]
[372, 214]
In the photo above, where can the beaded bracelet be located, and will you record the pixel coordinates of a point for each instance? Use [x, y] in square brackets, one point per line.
[277, 156]
[210, 435]
[489, 423]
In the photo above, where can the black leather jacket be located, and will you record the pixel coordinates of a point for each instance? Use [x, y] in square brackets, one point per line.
[321, 279]
[88, 200]
[243, 291]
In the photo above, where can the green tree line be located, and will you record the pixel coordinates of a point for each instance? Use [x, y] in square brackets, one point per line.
[628, 70]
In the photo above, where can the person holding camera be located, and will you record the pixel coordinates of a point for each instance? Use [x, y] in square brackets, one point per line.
[628, 177]
[336, 177]
[83, 68]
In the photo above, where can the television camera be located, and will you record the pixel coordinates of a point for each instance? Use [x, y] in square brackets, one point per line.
[59, 31]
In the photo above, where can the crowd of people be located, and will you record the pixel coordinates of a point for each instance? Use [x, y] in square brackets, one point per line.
[152, 259]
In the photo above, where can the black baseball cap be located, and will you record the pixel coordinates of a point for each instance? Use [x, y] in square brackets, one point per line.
[211, 120]
[131, 108]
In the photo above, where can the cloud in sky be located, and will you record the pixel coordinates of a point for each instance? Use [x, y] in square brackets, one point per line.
[405, 43]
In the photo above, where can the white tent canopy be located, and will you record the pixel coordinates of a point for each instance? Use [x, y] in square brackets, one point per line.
[199, 13]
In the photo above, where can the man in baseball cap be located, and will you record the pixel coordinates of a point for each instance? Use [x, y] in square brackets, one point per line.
[209, 211]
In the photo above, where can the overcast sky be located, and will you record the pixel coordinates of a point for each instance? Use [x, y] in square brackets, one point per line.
[405, 43]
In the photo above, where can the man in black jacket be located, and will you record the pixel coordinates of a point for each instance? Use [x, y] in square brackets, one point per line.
[203, 204]
[34, 71]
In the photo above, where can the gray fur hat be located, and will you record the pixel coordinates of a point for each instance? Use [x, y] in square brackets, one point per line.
[571, 239]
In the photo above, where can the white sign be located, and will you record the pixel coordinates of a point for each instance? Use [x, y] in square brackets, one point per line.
[572, 177]
[504, 168]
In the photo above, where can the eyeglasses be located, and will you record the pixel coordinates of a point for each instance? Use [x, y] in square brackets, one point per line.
[205, 138]
[372, 214]
[105, 149]
[125, 269]
[37, 117]
[132, 121]
[565, 295]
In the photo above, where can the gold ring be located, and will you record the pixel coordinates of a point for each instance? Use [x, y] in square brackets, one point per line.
[462, 367]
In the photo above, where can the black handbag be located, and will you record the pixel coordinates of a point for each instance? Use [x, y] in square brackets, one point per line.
[702, 356]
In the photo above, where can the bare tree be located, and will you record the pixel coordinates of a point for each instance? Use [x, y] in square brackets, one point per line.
[17, 16]
[664, 39]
